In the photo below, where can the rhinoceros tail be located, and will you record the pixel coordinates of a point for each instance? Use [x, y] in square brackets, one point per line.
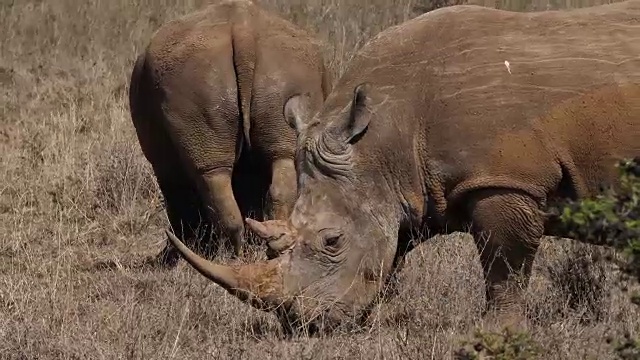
[244, 61]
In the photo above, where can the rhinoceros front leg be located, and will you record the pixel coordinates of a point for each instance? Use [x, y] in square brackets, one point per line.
[507, 227]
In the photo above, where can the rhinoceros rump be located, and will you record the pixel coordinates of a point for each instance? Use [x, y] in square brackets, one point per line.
[207, 99]
[430, 130]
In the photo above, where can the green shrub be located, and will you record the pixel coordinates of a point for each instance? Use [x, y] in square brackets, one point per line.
[610, 219]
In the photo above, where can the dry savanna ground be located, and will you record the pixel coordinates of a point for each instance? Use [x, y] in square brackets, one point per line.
[76, 193]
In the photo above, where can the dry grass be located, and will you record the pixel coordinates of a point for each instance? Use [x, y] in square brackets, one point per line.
[76, 192]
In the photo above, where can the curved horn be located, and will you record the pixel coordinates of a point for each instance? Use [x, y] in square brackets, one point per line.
[259, 284]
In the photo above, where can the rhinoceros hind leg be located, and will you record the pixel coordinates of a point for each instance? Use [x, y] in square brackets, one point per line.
[224, 207]
[507, 227]
[184, 207]
[187, 215]
[282, 191]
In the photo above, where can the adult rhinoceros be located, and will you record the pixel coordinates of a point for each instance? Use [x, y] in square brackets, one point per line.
[463, 119]
[209, 87]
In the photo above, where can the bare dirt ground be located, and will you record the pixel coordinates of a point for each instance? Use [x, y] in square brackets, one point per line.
[76, 194]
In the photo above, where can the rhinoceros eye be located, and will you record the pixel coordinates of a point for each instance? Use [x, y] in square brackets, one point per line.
[332, 242]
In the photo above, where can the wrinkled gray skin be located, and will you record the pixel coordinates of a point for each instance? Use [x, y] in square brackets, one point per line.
[429, 131]
[207, 99]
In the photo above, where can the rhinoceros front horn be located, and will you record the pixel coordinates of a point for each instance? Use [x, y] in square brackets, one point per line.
[259, 284]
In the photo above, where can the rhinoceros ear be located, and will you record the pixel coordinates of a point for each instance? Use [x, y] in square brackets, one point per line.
[296, 112]
[360, 114]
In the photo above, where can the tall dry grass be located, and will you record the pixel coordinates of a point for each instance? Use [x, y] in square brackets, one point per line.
[76, 193]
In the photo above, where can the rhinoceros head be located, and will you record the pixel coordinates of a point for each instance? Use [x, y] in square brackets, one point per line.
[330, 259]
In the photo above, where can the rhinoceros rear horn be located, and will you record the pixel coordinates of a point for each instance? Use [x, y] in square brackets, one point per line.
[260, 284]
[277, 233]
[271, 229]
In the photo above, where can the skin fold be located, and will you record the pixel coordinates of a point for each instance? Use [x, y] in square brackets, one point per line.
[463, 119]
[206, 99]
